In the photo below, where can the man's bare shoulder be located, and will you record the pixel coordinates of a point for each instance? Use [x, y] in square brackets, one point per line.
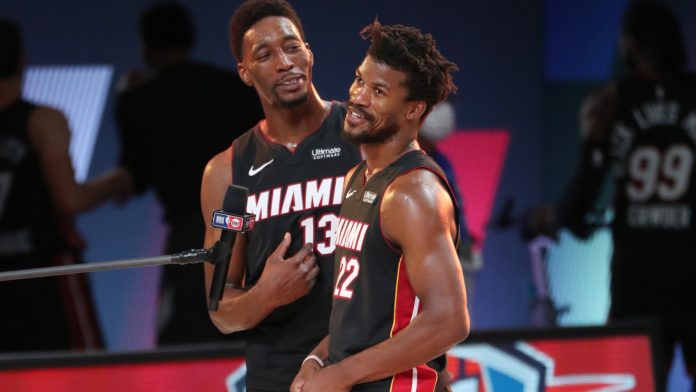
[48, 128]
[45, 118]
[219, 167]
[421, 189]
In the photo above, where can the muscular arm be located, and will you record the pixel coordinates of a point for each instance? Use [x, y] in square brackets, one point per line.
[49, 133]
[435, 275]
[282, 281]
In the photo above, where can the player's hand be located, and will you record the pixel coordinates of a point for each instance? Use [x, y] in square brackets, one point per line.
[130, 79]
[123, 185]
[325, 379]
[284, 280]
[308, 369]
[540, 221]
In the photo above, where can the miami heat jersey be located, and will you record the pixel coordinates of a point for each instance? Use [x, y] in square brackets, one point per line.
[28, 229]
[652, 147]
[297, 192]
[372, 296]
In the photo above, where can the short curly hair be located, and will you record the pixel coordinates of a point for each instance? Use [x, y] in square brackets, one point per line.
[252, 11]
[405, 48]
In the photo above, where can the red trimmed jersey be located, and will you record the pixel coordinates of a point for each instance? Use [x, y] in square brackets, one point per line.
[297, 192]
[372, 295]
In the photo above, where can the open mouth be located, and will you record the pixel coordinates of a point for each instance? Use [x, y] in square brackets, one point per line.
[290, 82]
[356, 116]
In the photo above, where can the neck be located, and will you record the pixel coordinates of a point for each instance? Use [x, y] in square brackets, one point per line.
[10, 91]
[647, 70]
[288, 126]
[379, 156]
[164, 58]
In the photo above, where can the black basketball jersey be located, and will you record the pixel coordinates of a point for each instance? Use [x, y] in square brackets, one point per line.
[372, 296]
[297, 192]
[652, 147]
[28, 229]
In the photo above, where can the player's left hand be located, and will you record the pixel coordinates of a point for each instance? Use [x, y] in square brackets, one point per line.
[308, 369]
[327, 379]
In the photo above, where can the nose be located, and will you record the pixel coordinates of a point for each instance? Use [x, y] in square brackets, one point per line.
[283, 62]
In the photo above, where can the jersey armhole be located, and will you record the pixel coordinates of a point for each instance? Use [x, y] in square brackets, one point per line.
[394, 247]
[357, 168]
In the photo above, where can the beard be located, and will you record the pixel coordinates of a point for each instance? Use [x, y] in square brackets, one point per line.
[373, 135]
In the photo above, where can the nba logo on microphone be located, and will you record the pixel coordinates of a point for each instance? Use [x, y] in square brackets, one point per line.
[226, 221]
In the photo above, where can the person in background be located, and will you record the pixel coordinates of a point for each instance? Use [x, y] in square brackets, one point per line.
[39, 198]
[639, 131]
[172, 119]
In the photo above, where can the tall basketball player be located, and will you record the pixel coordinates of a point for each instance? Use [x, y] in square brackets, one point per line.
[293, 163]
[399, 300]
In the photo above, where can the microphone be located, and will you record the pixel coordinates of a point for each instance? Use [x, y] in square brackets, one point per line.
[231, 219]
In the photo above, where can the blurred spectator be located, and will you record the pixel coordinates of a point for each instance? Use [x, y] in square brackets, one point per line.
[173, 119]
[39, 198]
[640, 132]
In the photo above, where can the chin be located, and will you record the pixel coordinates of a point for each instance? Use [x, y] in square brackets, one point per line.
[353, 139]
[290, 102]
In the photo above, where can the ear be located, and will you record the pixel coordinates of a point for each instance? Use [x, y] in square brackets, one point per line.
[415, 110]
[311, 54]
[244, 74]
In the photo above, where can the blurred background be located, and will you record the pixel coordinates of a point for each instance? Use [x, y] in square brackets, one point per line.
[524, 69]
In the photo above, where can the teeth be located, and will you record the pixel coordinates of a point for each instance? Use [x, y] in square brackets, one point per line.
[355, 115]
[291, 81]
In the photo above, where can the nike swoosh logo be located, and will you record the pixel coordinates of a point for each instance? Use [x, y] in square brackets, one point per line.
[253, 172]
[350, 193]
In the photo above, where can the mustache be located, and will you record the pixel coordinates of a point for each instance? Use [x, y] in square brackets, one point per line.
[291, 75]
[360, 111]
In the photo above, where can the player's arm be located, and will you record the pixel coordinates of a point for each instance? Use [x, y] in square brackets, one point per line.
[435, 275]
[597, 118]
[50, 136]
[282, 281]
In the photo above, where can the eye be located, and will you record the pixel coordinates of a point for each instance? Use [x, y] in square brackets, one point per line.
[359, 81]
[263, 56]
[379, 92]
[293, 48]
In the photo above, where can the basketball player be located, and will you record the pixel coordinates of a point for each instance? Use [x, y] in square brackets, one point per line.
[293, 163]
[641, 131]
[399, 300]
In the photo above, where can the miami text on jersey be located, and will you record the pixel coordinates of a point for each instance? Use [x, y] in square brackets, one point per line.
[296, 197]
[350, 234]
